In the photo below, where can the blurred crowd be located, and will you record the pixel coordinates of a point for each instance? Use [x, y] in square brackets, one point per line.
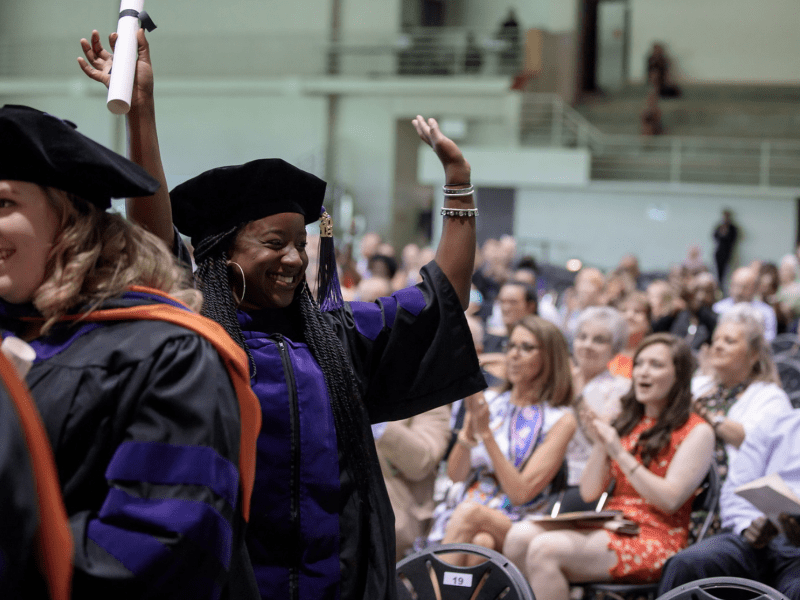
[482, 468]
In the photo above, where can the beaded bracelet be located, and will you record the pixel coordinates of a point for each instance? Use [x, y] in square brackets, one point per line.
[459, 212]
[467, 191]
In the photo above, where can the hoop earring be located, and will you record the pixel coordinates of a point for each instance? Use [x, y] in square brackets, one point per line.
[244, 284]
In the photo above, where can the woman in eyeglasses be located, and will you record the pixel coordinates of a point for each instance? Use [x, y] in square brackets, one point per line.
[513, 442]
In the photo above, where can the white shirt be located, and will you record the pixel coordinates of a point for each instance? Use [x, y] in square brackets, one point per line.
[759, 402]
[771, 447]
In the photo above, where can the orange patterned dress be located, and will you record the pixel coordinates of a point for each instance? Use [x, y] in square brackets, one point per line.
[640, 558]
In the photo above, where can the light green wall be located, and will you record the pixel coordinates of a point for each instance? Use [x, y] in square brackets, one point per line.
[720, 40]
[602, 222]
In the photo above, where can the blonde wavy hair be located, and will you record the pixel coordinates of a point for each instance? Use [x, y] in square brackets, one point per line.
[97, 255]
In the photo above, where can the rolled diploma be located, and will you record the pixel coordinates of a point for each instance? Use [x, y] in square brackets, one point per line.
[19, 353]
[125, 53]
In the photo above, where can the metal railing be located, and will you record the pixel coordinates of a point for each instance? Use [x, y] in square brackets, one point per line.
[549, 121]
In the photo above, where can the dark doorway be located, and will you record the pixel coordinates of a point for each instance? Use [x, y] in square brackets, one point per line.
[432, 13]
[497, 213]
[587, 47]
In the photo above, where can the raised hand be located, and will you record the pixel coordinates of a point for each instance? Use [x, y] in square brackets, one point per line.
[609, 437]
[455, 165]
[98, 62]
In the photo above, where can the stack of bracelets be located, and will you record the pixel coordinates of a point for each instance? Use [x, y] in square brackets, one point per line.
[451, 192]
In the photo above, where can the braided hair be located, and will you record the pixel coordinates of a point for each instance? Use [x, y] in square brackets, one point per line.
[349, 415]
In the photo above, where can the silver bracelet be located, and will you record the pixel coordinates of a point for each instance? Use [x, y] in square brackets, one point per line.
[467, 191]
[459, 212]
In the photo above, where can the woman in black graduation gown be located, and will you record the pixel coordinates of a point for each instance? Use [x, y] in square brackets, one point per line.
[322, 526]
[143, 400]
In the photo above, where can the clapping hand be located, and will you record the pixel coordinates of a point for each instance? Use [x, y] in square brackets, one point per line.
[98, 62]
[791, 528]
[608, 436]
[478, 411]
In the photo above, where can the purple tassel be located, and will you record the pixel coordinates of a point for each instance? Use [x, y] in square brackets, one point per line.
[329, 292]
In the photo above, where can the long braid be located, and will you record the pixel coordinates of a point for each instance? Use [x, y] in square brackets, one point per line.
[348, 411]
[214, 279]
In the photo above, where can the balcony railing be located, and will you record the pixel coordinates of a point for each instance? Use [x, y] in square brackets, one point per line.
[548, 121]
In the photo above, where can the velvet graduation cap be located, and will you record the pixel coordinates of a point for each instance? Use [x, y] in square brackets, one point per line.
[39, 148]
[224, 198]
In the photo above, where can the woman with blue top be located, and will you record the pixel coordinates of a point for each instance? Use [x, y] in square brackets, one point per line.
[321, 525]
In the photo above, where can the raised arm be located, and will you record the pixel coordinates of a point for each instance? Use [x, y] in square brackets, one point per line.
[456, 252]
[154, 213]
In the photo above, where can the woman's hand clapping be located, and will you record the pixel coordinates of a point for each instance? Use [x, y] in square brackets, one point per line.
[478, 413]
[609, 437]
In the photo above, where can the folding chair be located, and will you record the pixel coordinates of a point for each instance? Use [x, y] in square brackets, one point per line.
[424, 576]
[723, 588]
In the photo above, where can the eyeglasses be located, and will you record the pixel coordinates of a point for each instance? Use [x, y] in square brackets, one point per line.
[524, 347]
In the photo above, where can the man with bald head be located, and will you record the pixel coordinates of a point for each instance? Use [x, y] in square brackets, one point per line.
[743, 287]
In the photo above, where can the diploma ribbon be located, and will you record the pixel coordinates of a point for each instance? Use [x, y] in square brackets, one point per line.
[142, 15]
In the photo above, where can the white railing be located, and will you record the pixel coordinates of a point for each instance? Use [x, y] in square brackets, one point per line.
[547, 120]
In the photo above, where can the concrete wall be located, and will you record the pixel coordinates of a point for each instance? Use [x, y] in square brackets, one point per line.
[720, 40]
[601, 222]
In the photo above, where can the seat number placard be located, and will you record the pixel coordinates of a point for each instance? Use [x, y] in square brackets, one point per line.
[459, 579]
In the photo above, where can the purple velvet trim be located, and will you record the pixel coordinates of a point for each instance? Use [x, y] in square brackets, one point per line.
[146, 558]
[368, 318]
[410, 299]
[165, 464]
[52, 345]
[138, 552]
[198, 521]
[270, 523]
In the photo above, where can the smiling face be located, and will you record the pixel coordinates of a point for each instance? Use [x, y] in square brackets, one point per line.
[28, 226]
[272, 254]
[593, 348]
[524, 357]
[653, 377]
[513, 304]
[731, 355]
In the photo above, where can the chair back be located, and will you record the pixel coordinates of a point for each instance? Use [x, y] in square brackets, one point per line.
[425, 576]
[707, 501]
[789, 372]
[787, 344]
[723, 588]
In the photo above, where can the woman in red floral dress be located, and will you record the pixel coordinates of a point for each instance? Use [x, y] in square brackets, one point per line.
[656, 425]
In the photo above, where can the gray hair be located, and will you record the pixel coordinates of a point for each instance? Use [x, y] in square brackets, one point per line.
[744, 314]
[613, 321]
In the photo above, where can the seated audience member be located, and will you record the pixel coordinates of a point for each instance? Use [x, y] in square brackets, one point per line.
[602, 331]
[768, 284]
[661, 296]
[382, 265]
[658, 452]
[743, 288]
[512, 442]
[372, 288]
[490, 275]
[788, 295]
[367, 249]
[694, 262]
[589, 291]
[696, 321]
[744, 389]
[751, 546]
[635, 308]
[409, 452]
[408, 271]
[516, 300]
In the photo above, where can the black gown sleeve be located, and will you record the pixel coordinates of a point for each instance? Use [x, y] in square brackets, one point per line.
[412, 351]
[169, 524]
